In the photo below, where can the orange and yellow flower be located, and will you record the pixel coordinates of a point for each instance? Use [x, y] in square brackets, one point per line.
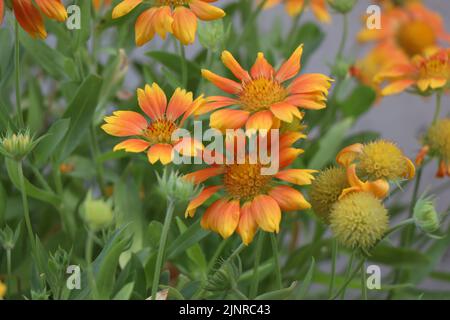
[178, 17]
[155, 136]
[248, 199]
[262, 96]
[380, 58]
[295, 7]
[426, 72]
[412, 28]
[29, 16]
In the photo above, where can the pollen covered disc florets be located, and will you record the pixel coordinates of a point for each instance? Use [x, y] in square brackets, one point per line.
[438, 139]
[359, 220]
[261, 93]
[436, 67]
[382, 160]
[326, 189]
[160, 131]
[245, 181]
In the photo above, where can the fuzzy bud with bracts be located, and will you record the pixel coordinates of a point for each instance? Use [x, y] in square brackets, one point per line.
[97, 213]
[175, 188]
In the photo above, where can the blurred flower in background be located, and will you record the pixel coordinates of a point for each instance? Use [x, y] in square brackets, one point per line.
[295, 7]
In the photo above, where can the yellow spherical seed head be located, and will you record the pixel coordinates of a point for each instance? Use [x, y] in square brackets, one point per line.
[359, 220]
[382, 160]
[326, 189]
[438, 139]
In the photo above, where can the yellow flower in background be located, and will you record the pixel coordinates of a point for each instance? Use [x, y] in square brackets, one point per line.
[248, 199]
[359, 221]
[155, 136]
[295, 7]
[430, 71]
[437, 143]
[380, 58]
[412, 28]
[261, 96]
[326, 190]
[178, 17]
[28, 14]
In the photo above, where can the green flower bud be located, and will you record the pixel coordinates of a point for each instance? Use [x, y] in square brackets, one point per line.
[40, 295]
[211, 35]
[8, 237]
[342, 6]
[17, 146]
[98, 214]
[176, 188]
[425, 215]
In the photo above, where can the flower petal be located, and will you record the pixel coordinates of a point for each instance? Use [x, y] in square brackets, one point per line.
[230, 62]
[163, 21]
[291, 67]
[144, 29]
[161, 152]
[262, 68]
[289, 199]
[205, 11]
[289, 138]
[396, 87]
[285, 111]
[247, 225]
[347, 155]
[311, 82]
[53, 9]
[262, 120]
[132, 145]
[2, 11]
[152, 101]
[214, 103]
[228, 119]
[124, 8]
[202, 175]
[29, 18]
[184, 25]
[181, 101]
[301, 177]
[267, 213]
[227, 85]
[124, 124]
[222, 217]
[188, 146]
[200, 199]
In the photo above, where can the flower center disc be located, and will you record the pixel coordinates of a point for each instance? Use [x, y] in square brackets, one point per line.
[415, 37]
[436, 68]
[261, 94]
[244, 181]
[173, 3]
[160, 131]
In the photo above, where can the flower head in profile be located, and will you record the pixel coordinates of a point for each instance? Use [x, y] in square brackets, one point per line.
[261, 95]
[295, 7]
[247, 198]
[28, 14]
[380, 58]
[359, 221]
[412, 28]
[437, 144]
[161, 17]
[423, 73]
[155, 136]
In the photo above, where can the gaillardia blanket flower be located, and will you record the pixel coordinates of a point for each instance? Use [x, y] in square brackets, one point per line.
[169, 16]
[262, 96]
[430, 71]
[29, 16]
[437, 144]
[295, 7]
[250, 199]
[412, 28]
[156, 135]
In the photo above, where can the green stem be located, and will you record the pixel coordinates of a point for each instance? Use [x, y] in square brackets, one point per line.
[96, 153]
[348, 279]
[409, 232]
[88, 257]
[294, 26]
[17, 75]
[41, 178]
[8, 270]
[348, 274]
[276, 260]
[363, 281]
[162, 247]
[26, 210]
[216, 255]
[334, 253]
[344, 36]
[184, 69]
[437, 111]
[255, 281]
[240, 295]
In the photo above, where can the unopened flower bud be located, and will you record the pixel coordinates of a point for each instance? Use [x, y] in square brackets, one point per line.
[17, 145]
[211, 34]
[176, 188]
[98, 213]
[342, 6]
[425, 215]
[8, 237]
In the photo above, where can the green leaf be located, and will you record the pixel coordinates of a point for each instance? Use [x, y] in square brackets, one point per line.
[195, 252]
[48, 144]
[173, 293]
[12, 168]
[330, 144]
[304, 287]
[281, 294]
[125, 292]
[80, 111]
[398, 257]
[193, 235]
[358, 102]
[83, 34]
